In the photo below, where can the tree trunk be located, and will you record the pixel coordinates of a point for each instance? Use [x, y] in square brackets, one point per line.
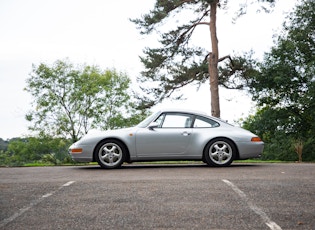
[299, 149]
[213, 62]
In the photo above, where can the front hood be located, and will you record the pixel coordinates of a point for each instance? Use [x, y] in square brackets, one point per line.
[106, 132]
[97, 134]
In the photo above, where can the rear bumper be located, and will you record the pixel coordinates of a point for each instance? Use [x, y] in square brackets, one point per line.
[250, 150]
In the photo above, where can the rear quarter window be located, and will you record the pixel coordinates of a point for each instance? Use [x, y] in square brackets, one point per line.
[203, 122]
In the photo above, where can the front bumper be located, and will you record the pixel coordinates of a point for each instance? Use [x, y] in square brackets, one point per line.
[81, 153]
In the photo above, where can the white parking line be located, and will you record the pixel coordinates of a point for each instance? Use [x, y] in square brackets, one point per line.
[68, 184]
[32, 204]
[272, 225]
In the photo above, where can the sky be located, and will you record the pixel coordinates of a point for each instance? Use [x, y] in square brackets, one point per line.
[98, 32]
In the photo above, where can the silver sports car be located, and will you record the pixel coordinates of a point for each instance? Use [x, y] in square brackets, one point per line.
[169, 135]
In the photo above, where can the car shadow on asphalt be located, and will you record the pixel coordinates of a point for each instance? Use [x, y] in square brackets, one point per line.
[161, 165]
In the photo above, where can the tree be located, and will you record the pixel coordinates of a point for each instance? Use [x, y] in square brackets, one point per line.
[3, 144]
[35, 149]
[178, 63]
[70, 101]
[284, 86]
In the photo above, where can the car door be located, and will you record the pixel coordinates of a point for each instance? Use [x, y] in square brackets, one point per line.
[170, 139]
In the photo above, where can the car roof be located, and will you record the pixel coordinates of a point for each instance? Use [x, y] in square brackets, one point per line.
[197, 112]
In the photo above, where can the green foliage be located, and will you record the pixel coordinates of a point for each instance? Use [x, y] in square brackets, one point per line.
[56, 158]
[279, 137]
[236, 73]
[28, 150]
[274, 127]
[3, 144]
[4, 158]
[69, 101]
[285, 87]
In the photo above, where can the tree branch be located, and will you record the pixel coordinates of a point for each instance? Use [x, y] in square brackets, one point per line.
[226, 57]
[192, 27]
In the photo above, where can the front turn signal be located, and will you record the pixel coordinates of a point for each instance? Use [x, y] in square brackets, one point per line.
[256, 139]
[78, 150]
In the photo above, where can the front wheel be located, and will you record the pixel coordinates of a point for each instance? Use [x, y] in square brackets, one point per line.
[220, 152]
[110, 154]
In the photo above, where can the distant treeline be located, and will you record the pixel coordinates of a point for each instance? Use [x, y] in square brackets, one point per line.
[46, 150]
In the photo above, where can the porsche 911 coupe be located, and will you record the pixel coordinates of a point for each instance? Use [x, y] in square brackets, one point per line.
[169, 135]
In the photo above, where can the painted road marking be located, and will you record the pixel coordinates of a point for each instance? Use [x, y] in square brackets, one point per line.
[68, 184]
[272, 225]
[32, 204]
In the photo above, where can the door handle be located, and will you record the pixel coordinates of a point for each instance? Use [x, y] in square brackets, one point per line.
[185, 133]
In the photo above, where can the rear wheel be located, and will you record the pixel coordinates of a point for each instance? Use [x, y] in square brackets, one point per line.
[220, 152]
[110, 154]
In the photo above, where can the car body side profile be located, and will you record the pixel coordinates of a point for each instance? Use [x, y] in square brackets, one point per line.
[169, 135]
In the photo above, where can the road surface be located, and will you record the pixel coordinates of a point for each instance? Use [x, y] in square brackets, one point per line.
[139, 196]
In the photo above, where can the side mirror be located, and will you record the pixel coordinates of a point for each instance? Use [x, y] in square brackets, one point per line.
[153, 125]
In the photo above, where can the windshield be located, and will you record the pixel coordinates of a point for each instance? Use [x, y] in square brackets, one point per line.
[147, 121]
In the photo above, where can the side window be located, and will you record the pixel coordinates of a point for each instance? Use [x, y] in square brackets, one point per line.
[160, 120]
[174, 120]
[203, 122]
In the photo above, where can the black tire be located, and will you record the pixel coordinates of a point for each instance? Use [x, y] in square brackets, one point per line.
[110, 154]
[220, 152]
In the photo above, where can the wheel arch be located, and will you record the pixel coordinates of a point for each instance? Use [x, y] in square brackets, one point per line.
[237, 156]
[127, 157]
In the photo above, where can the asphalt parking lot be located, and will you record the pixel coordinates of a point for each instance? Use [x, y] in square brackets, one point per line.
[138, 196]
